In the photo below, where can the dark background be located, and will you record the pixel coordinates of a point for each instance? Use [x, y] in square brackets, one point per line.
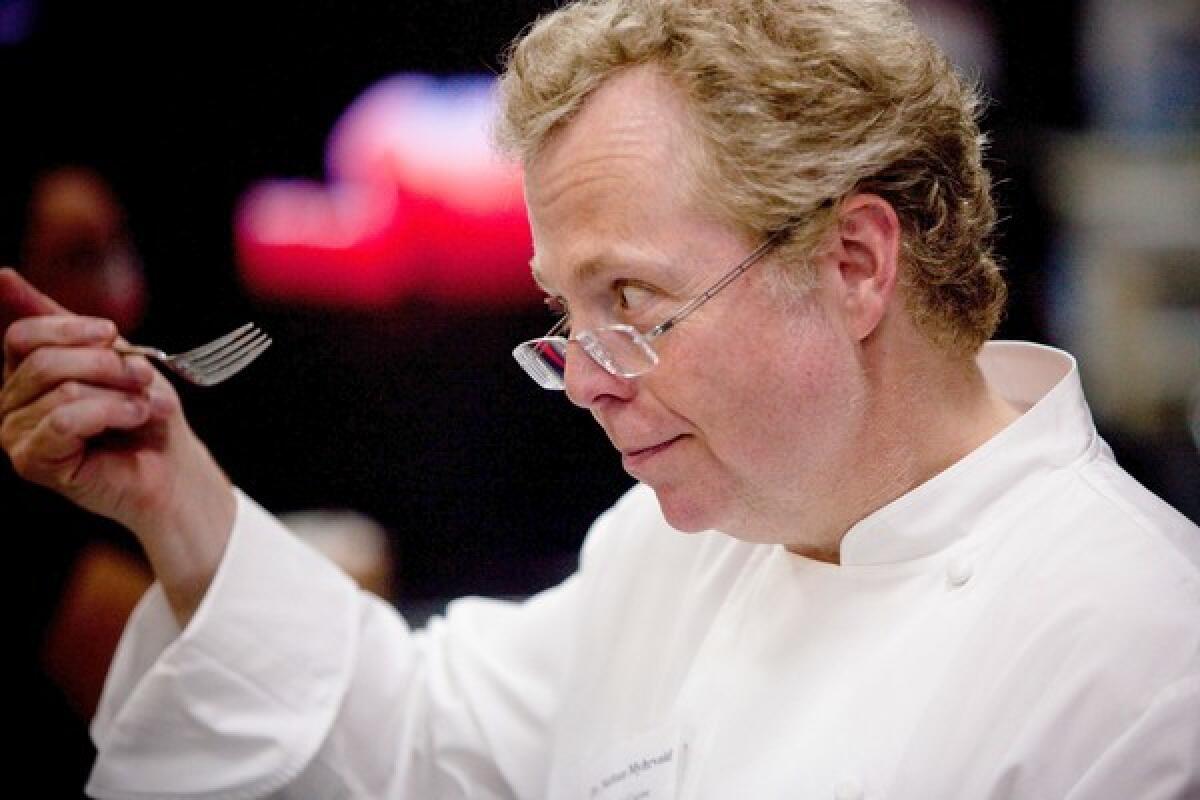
[414, 415]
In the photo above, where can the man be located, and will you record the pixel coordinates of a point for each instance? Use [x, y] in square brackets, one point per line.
[911, 568]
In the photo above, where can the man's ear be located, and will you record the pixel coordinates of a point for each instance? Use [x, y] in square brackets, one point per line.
[865, 252]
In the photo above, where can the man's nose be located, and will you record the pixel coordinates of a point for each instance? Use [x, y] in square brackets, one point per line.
[588, 383]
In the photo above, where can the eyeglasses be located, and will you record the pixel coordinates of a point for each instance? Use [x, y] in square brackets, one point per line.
[621, 350]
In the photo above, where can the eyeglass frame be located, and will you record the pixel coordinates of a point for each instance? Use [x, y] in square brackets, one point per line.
[603, 358]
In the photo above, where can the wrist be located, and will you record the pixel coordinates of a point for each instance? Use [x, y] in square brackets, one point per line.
[187, 538]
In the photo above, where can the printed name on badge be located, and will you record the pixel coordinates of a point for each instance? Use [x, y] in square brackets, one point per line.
[643, 768]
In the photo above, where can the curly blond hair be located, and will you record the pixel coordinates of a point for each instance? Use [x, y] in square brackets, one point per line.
[797, 103]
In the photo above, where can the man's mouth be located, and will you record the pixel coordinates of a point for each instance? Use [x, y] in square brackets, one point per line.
[635, 457]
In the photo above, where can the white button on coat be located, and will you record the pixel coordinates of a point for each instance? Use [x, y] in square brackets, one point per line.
[958, 571]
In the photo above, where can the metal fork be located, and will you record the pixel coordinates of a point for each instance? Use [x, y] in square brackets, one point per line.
[209, 364]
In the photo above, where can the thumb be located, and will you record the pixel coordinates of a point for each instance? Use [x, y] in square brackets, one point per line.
[19, 299]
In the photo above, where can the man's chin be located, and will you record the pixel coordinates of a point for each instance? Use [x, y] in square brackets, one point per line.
[685, 511]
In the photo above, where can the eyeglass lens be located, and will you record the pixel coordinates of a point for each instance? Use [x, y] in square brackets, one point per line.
[545, 360]
[618, 349]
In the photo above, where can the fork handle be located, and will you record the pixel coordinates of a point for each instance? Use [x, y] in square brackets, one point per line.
[138, 350]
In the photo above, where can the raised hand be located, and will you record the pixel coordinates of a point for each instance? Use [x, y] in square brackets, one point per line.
[107, 432]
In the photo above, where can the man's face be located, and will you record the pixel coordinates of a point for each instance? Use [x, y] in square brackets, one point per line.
[746, 423]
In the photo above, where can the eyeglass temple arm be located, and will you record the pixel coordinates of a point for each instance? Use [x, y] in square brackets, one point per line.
[558, 326]
[729, 278]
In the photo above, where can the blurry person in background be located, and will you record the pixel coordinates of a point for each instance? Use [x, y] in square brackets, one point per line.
[78, 250]
[871, 553]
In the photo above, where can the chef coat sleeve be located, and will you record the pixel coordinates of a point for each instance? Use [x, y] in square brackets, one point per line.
[1158, 757]
[290, 682]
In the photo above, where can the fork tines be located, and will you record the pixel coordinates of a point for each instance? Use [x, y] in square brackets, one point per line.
[217, 360]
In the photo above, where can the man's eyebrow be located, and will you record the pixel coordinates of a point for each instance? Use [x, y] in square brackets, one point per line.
[589, 269]
[584, 272]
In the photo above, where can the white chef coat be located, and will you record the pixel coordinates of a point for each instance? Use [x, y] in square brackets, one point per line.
[1025, 624]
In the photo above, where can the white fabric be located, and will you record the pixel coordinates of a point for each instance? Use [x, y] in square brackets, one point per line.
[1024, 625]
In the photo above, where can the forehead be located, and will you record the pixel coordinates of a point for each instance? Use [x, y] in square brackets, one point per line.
[616, 181]
[637, 112]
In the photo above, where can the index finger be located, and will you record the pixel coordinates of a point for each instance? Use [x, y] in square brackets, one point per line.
[28, 334]
[19, 299]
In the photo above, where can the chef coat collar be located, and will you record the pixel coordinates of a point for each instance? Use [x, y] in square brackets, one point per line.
[1055, 429]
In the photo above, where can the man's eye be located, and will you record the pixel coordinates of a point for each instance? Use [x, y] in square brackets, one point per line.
[632, 297]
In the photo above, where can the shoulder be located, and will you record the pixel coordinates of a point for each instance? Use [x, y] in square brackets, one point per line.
[1135, 511]
[1108, 571]
[1104, 527]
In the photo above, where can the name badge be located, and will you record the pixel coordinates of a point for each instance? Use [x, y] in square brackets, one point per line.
[646, 767]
